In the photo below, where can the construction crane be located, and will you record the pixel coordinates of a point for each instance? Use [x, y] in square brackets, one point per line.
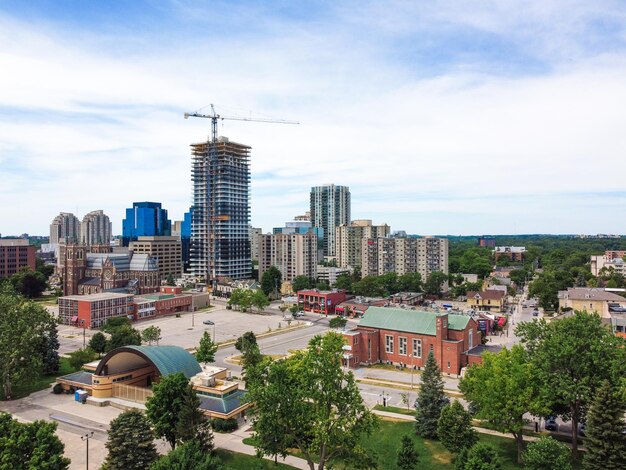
[214, 117]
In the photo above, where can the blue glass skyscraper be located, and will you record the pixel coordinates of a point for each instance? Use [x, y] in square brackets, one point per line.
[145, 219]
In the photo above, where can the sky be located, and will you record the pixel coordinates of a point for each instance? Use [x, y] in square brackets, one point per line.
[443, 117]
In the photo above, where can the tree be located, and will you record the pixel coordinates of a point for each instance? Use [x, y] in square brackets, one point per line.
[260, 300]
[410, 282]
[30, 445]
[124, 336]
[271, 280]
[308, 402]
[188, 456]
[300, 283]
[190, 419]
[547, 453]
[23, 327]
[572, 357]
[206, 349]
[114, 323]
[170, 280]
[151, 334]
[50, 349]
[434, 283]
[430, 399]
[503, 389]
[28, 283]
[482, 457]
[173, 401]
[130, 444]
[337, 322]
[98, 343]
[246, 340]
[46, 269]
[250, 352]
[605, 440]
[454, 428]
[81, 357]
[408, 456]
[344, 281]
[322, 285]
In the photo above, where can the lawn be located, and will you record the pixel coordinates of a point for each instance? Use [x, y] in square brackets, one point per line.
[40, 382]
[237, 461]
[395, 409]
[385, 441]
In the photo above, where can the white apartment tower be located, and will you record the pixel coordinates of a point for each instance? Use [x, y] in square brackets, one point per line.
[348, 240]
[294, 254]
[95, 229]
[64, 226]
[330, 208]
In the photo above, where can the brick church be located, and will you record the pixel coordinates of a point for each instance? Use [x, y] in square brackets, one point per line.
[94, 269]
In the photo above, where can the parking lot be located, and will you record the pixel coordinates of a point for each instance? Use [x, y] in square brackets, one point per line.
[187, 330]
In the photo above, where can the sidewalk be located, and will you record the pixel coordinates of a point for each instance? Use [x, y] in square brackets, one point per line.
[402, 377]
[234, 443]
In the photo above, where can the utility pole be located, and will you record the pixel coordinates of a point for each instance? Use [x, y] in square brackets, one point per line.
[86, 438]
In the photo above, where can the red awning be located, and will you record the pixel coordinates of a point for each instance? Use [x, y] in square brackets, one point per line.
[501, 321]
[74, 319]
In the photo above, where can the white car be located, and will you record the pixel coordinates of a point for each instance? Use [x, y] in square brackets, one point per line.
[299, 314]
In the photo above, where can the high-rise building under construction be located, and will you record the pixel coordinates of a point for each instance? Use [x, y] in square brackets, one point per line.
[220, 242]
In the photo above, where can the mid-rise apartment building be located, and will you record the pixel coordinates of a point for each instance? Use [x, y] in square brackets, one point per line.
[15, 254]
[166, 250]
[404, 255]
[255, 233]
[330, 208]
[349, 238]
[294, 254]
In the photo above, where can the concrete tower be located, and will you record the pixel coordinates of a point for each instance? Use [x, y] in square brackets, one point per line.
[330, 208]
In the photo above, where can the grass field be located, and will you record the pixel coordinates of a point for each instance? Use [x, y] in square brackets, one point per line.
[40, 382]
[395, 409]
[236, 461]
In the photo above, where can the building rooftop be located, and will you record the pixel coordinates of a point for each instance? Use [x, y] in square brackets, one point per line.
[410, 321]
[96, 297]
[222, 405]
[589, 293]
[487, 294]
[13, 242]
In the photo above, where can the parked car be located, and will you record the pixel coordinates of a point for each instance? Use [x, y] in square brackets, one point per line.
[298, 314]
[535, 313]
[551, 424]
[581, 429]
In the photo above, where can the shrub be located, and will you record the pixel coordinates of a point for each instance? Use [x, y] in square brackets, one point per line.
[57, 389]
[224, 425]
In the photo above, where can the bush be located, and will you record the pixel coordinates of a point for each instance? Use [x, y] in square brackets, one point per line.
[224, 425]
[57, 389]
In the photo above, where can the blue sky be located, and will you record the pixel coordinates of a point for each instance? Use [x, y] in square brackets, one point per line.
[443, 117]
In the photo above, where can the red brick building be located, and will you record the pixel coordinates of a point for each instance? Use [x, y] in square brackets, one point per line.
[15, 254]
[406, 337]
[318, 301]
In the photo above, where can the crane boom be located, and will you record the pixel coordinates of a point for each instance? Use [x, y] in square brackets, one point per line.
[214, 117]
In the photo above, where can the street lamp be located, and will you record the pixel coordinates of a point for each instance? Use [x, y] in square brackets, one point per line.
[385, 397]
[86, 438]
[83, 323]
[209, 322]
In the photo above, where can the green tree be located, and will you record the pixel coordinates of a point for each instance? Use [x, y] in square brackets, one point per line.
[504, 388]
[408, 457]
[410, 282]
[518, 276]
[81, 357]
[124, 336]
[271, 280]
[130, 444]
[28, 283]
[186, 457]
[50, 349]
[260, 300]
[369, 286]
[46, 269]
[24, 325]
[30, 445]
[114, 323]
[173, 400]
[98, 343]
[151, 334]
[250, 351]
[547, 453]
[308, 402]
[454, 428]
[300, 283]
[170, 280]
[206, 349]
[571, 358]
[434, 283]
[482, 457]
[190, 420]
[430, 400]
[337, 322]
[605, 440]
[322, 285]
[344, 281]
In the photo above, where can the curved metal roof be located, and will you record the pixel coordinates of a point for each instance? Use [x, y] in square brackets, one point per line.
[167, 359]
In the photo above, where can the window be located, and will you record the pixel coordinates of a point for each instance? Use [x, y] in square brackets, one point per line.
[417, 348]
[432, 348]
[448, 364]
[389, 344]
[470, 339]
[402, 342]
